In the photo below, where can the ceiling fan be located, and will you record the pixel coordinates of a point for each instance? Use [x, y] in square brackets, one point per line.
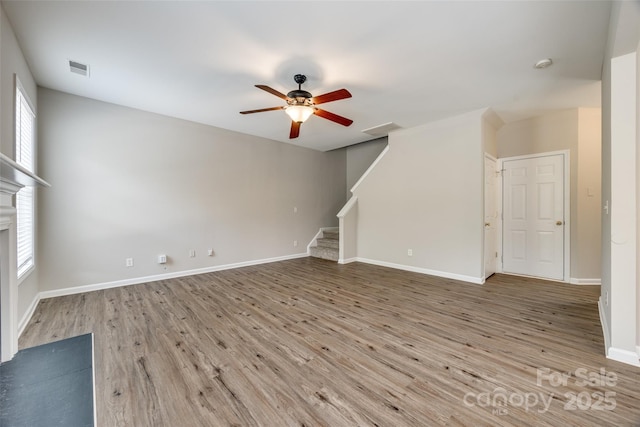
[301, 105]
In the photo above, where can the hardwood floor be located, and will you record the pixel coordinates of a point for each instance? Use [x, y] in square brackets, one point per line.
[308, 342]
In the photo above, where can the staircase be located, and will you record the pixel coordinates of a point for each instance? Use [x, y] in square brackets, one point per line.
[327, 246]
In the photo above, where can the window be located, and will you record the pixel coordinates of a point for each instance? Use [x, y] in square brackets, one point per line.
[25, 135]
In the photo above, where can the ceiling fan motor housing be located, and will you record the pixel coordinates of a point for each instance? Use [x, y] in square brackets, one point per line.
[299, 96]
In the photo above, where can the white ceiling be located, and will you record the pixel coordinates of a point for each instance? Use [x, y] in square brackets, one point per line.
[408, 62]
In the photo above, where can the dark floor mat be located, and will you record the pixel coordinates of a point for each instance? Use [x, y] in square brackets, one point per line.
[49, 385]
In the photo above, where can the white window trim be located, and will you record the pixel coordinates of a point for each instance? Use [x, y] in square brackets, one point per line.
[20, 91]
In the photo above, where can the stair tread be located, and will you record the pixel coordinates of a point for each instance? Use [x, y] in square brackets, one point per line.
[328, 243]
[327, 246]
[324, 253]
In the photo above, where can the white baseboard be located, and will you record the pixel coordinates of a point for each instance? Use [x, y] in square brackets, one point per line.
[605, 326]
[314, 241]
[348, 260]
[445, 274]
[155, 278]
[617, 354]
[137, 280]
[624, 356]
[93, 373]
[28, 314]
[576, 281]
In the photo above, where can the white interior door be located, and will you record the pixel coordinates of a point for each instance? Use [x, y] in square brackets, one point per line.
[490, 216]
[534, 217]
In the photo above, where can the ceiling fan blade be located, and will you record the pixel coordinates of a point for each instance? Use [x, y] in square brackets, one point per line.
[295, 130]
[331, 96]
[333, 117]
[273, 91]
[261, 110]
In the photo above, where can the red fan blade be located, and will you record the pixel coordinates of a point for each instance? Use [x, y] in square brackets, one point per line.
[333, 117]
[273, 92]
[261, 110]
[295, 130]
[331, 96]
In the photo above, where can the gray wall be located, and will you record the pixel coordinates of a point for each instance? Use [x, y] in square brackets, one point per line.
[426, 194]
[360, 157]
[12, 64]
[617, 310]
[127, 183]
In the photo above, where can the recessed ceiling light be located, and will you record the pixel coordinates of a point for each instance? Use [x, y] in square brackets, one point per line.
[543, 63]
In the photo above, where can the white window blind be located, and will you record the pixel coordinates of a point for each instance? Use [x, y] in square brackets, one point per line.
[25, 132]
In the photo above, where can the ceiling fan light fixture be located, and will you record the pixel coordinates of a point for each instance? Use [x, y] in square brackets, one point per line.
[301, 105]
[299, 113]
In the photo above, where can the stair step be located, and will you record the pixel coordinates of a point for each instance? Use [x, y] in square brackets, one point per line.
[328, 242]
[331, 234]
[327, 246]
[324, 253]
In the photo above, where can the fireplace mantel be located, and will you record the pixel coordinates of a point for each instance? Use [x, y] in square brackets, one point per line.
[12, 178]
[12, 175]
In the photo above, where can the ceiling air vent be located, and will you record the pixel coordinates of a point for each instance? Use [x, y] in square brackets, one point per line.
[382, 130]
[78, 68]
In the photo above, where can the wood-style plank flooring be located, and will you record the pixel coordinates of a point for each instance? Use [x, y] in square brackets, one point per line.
[309, 342]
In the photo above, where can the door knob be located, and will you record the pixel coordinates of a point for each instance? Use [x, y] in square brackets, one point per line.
[559, 222]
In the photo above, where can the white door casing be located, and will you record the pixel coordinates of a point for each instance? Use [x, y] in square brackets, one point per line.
[490, 216]
[535, 195]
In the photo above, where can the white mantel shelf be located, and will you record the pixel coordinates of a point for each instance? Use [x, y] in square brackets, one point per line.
[13, 173]
[13, 177]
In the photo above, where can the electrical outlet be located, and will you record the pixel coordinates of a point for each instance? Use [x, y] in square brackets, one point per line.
[410, 252]
[210, 252]
[128, 262]
[162, 259]
[192, 253]
[295, 243]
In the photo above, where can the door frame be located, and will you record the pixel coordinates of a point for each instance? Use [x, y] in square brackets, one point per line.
[498, 200]
[567, 209]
